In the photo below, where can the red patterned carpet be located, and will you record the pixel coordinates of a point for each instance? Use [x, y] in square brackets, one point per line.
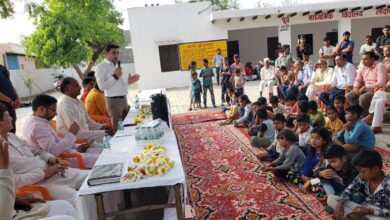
[198, 116]
[225, 181]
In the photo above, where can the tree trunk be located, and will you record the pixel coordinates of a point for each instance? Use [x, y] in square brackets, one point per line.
[78, 70]
[95, 56]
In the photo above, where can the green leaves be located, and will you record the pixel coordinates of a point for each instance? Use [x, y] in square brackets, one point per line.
[6, 8]
[70, 31]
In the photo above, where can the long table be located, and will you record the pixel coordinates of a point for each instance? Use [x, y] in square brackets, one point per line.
[123, 149]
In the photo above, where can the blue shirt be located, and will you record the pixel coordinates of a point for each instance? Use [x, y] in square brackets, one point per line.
[304, 75]
[360, 133]
[207, 72]
[196, 86]
[346, 44]
[310, 163]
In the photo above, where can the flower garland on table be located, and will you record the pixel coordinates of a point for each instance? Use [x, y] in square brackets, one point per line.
[154, 162]
[145, 111]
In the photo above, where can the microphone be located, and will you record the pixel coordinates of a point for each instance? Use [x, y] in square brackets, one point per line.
[119, 63]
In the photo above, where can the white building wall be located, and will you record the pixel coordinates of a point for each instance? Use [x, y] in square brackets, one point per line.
[152, 26]
[318, 30]
[253, 42]
[42, 78]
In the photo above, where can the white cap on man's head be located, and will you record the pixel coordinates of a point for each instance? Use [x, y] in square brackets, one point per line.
[266, 60]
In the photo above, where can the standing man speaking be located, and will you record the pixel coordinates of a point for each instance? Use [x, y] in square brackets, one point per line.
[114, 83]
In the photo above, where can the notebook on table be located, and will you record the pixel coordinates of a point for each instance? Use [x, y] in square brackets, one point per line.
[104, 174]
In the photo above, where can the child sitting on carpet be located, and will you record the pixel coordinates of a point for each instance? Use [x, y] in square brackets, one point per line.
[316, 117]
[356, 133]
[291, 105]
[232, 114]
[245, 111]
[291, 159]
[263, 104]
[374, 185]
[303, 131]
[277, 106]
[339, 103]
[265, 131]
[333, 123]
[339, 172]
[275, 149]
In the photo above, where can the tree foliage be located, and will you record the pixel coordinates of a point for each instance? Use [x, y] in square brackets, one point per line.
[72, 31]
[218, 5]
[6, 8]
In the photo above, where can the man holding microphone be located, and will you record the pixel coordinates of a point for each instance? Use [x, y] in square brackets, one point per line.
[114, 83]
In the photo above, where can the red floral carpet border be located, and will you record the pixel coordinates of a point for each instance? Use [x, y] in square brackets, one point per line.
[197, 117]
[225, 181]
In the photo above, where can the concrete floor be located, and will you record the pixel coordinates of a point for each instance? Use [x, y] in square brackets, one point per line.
[179, 99]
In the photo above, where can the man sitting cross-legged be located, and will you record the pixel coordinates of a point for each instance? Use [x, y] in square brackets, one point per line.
[42, 137]
[39, 167]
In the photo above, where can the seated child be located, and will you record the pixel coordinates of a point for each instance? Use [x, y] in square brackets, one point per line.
[245, 111]
[339, 103]
[233, 113]
[333, 123]
[319, 139]
[283, 80]
[303, 131]
[316, 117]
[339, 172]
[276, 106]
[274, 150]
[265, 131]
[263, 104]
[356, 132]
[372, 182]
[290, 160]
[291, 105]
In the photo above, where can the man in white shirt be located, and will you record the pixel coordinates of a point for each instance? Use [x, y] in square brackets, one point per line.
[114, 83]
[218, 62]
[321, 77]
[343, 77]
[326, 52]
[368, 46]
[71, 110]
[267, 74]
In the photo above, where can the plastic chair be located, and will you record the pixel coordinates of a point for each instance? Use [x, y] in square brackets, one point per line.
[77, 156]
[30, 189]
[102, 119]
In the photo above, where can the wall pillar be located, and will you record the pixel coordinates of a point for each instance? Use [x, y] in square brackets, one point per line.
[284, 34]
[345, 24]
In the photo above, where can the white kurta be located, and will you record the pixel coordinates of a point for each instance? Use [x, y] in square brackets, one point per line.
[319, 79]
[267, 78]
[378, 107]
[70, 110]
[29, 167]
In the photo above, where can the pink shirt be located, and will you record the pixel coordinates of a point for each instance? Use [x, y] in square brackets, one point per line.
[41, 136]
[240, 66]
[371, 77]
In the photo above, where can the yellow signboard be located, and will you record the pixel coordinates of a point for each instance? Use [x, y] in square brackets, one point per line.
[200, 50]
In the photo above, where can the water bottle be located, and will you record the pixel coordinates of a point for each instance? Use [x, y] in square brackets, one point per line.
[120, 125]
[136, 102]
[106, 141]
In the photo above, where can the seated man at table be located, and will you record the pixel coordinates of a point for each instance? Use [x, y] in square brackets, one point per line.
[39, 167]
[342, 79]
[11, 204]
[42, 137]
[370, 76]
[70, 110]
